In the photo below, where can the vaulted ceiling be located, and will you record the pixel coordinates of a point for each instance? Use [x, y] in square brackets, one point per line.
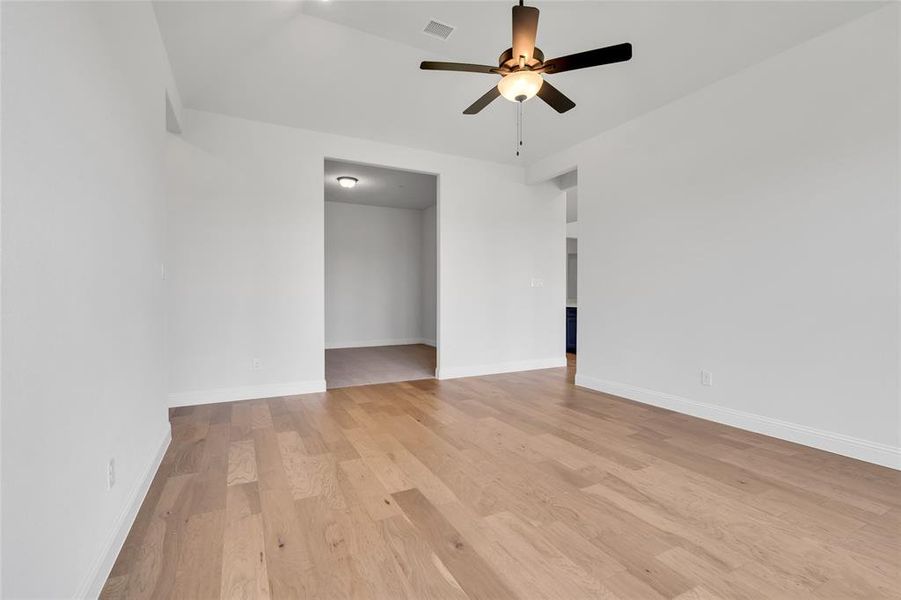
[352, 68]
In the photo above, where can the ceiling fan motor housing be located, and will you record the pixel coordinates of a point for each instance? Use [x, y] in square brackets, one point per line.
[508, 61]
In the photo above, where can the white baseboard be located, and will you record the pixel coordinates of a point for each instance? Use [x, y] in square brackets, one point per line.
[97, 577]
[270, 390]
[432, 343]
[372, 343]
[872, 452]
[504, 367]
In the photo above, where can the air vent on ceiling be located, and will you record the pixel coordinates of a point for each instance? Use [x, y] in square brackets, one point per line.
[438, 30]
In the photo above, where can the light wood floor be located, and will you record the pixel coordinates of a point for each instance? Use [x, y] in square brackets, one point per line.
[507, 486]
[378, 364]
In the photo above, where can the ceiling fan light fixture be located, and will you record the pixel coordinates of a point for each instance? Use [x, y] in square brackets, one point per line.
[347, 182]
[520, 86]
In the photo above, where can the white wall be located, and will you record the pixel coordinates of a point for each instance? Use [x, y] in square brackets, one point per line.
[429, 291]
[246, 259]
[373, 275]
[751, 229]
[572, 276]
[83, 310]
[1, 313]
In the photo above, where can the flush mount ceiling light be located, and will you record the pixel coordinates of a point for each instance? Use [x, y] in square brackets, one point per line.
[347, 182]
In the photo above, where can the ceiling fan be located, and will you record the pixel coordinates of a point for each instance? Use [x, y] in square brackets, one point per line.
[522, 67]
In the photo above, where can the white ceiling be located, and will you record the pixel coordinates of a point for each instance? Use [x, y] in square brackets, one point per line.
[378, 186]
[352, 68]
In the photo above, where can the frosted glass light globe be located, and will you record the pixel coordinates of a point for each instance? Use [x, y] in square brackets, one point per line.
[520, 86]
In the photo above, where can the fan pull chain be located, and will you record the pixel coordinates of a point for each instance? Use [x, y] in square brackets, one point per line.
[518, 127]
[515, 141]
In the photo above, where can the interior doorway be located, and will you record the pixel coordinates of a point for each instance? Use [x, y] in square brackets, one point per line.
[569, 183]
[381, 263]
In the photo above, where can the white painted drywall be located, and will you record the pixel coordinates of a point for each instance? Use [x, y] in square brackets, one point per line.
[751, 229]
[246, 263]
[429, 281]
[373, 275]
[1, 319]
[83, 380]
[572, 205]
[572, 278]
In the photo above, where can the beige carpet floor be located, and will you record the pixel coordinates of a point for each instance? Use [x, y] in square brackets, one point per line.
[345, 367]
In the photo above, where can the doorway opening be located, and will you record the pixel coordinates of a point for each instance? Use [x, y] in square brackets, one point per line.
[569, 184]
[381, 263]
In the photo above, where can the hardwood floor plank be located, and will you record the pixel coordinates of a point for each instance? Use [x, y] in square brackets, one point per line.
[373, 497]
[626, 585]
[244, 574]
[469, 569]
[423, 572]
[379, 574]
[325, 535]
[199, 569]
[212, 475]
[517, 485]
[551, 573]
[698, 593]
[259, 415]
[288, 562]
[287, 559]
[389, 474]
[241, 422]
[242, 463]
[594, 560]
[310, 475]
[414, 470]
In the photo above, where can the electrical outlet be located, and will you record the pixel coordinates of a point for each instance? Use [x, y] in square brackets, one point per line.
[537, 283]
[706, 377]
[256, 363]
[111, 474]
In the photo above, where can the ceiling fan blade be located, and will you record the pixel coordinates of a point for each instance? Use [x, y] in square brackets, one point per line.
[525, 28]
[482, 102]
[590, 58]
[430, 65]
[555, 98]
